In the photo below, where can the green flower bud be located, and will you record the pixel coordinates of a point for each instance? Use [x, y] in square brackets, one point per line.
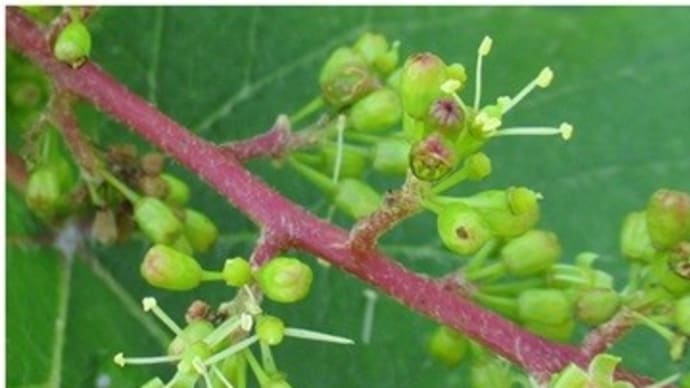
[462, 229]
[356, 198]
[393, 80]
[345, 78]
[557, 332]
[237, 272]
[509, 213]
[490, 372]
[668, 218]
[73, 44]
[531, 253]
[199, 230]
[44, 195]
[352, 164]
[371, 46]
[182, 245]
[433, 158]
[194, 332]
[387, 62]
[178, 191]
[682, 315]
[270, 329]
[668, 278]
[420, 83]
[457, 72]
[391, 156]
[596, 306]
[548, 306]
[478, 166]
[165, 267]
[285, 279]
[157, 220]
[635, 241]
[378, 111]
[448, 346]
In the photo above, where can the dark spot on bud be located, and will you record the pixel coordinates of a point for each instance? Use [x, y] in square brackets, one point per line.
[462, 233]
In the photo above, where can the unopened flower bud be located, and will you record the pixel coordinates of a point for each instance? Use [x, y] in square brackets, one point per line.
[167, 268]
[548, 306]
[509, 213]
[462, 229]
[353, 161]
[531, 253]
[378, 111]
[478, 166]
[356, 198]
[391, 156]
[679, 259]
[456, 71]
[635, 241]
[198, 350]
[664, 275]
[345, 78]
[682, 315]
[420, 83]
[195, 331]
[178, 191]
[157, 220]
[44, 195]
[597, 305]
[668, 218]
[285, 279]
[448, 346]
[199, 230]
[371, 46]
[237, 272]
[270, 329]
[73, 44]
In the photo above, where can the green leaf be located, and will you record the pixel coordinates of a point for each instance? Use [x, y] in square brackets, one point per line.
[620, 77]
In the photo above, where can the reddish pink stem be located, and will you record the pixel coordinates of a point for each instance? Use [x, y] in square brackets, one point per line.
[274, 212]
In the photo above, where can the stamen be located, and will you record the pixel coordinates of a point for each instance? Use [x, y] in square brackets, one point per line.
[368, 321]
[150, 304]
[121, 360]
[542, 80]
[565, 130]
[451, 86]
[316, 336]
[484, 49]
[200, 368]
[245, 343]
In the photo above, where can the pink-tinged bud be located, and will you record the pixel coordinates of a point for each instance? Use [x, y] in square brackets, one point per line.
[420, 83]
[668, 218]
[167, 268]
[445, 115]
[432, 158]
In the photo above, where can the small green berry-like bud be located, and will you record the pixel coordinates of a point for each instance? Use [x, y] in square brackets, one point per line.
[178, 191]
[635, 241]
[195, 331]
[345, 78]
[199, 230]
[531, 253]
[237, 272]
[353, 161]
[462, 229]
[378, 111]
[270, 329]
[285, 279]
[595, 306]
[157, 220]
[43, 193]
[432, 158]
[198, 350]
[667, 277]
[509, 213]
[448, 346]
[457, 72]
[668, 218]
[548, 306]
[557, 332]
[356, 198]
[73, 44]
[682, 315]
[165, 267]
[371, 46]
[391, 156]
[420, 83]
[478, 166]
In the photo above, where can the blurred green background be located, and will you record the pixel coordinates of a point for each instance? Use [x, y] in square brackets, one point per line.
[622, 78]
